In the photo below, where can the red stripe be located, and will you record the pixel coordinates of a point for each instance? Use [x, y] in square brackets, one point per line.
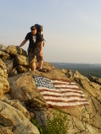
[65, 101]
[68, 96]
[62, 83]
[65, 107]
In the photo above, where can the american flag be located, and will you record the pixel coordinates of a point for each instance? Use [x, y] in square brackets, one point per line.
[60, 93]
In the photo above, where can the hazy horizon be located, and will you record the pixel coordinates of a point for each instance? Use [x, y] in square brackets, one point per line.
[77, 63]
[72, 28]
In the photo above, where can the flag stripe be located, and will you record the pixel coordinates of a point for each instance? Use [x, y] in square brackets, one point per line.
[67, 107]
[81, 96]
[71, 101]
[66, 86]
[43, 89]
[64, 99]
[60, 82]
[60, 94]
[66, 104]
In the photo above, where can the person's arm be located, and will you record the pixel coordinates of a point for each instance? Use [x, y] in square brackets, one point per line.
[23, 43]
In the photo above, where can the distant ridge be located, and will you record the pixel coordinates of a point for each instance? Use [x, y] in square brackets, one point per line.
[83, 68]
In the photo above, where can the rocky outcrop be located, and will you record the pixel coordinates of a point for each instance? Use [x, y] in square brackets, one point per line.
[13, 72]
[15, 121]
[4, 84]
[23, 69]
[14, 50]
[9, 65]
[84, 119]
[95, 79]
[3, 48]
[16, 60]
[20, 100]
[4, 56]
[91, 87]
[21, 60]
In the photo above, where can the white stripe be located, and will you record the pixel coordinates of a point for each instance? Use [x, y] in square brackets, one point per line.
[69, 86]
[66, 104]
[61, 94]
[73, 83]
[65, 99]
[59, 90]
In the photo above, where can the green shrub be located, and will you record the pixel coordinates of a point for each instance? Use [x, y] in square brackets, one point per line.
[58, 124]
[37, 125]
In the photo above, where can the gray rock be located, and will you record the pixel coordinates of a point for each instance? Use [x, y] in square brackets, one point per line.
[13, 72]
[9, 65]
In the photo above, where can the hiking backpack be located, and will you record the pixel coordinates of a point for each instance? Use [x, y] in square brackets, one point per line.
[40, 30]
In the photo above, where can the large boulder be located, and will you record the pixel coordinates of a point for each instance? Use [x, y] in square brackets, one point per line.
[18, 105]
[23, 88]
[3, 48]
[4, 85]
[2, 73]
[15, 121]
[1, 92]
[5, 130]
[3, 67]
[4, 55]
[23, 69]
[21, 60]
[46, 65]
[14, 50]
[13, 72]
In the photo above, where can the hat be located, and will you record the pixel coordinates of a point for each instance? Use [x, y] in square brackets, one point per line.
[33, 27]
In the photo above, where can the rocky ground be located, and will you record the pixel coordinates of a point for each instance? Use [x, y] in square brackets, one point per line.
[20, 101]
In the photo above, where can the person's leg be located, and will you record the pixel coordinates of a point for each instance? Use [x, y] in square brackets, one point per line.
[40, 64]
[33, 66]
[32, 59]
[39, 58]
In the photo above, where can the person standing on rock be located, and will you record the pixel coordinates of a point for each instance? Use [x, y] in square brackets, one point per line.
[35, 48]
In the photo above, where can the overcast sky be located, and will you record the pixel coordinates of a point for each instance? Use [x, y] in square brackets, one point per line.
[72, 28]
